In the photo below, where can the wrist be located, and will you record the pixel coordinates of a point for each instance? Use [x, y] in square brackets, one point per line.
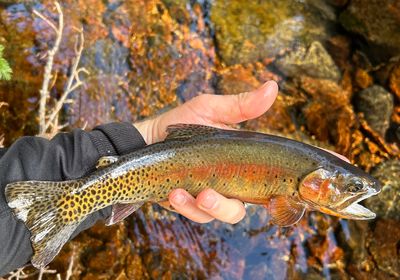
[144, 129]
[149, 129]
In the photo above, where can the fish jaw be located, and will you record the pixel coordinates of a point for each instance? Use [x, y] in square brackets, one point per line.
[354, 210]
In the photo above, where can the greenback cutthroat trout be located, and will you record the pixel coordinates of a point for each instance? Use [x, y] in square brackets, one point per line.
[284, 175]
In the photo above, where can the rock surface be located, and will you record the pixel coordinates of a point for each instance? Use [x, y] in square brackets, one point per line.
[378, 21]
[387, 203]
[377, 105]
[313, 61]
[266, 28]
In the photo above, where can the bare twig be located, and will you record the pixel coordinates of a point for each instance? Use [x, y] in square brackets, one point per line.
[73, 82]
[44, 92]
[43, 271]
[48, 119]
[70, 266]
[20, 274]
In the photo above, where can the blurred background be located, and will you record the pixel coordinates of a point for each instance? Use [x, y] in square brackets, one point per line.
[338, 66]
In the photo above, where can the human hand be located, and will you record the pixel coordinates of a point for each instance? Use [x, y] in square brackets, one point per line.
[218, 111]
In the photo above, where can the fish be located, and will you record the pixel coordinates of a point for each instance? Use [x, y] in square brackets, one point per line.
[285, 176]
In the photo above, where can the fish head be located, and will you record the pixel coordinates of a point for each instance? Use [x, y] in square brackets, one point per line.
[338, 192]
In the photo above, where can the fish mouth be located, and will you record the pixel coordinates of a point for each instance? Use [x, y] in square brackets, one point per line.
[353, 210]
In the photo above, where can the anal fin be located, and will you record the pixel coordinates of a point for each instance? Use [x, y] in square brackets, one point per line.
[284, 210]
[121, 211]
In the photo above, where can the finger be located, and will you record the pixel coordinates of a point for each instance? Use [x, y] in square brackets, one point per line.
[339, 156]
[231, 109]
[220, 207]
[185, 204]
[342, 157]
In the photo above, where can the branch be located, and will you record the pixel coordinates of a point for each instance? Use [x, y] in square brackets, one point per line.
[44, 92]
[73, 81]
[43, 271]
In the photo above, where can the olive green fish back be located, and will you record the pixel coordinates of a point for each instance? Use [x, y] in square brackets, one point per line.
[42, 207]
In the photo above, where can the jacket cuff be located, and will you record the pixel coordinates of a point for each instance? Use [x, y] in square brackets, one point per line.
[122, 138]
[112, 139]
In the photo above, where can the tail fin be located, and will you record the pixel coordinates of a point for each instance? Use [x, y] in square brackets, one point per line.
[37, 204]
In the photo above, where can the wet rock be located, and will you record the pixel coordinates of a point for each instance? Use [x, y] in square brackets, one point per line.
[384, 248]
[167, 55]
[135, 268]
[237, 79]
[325, 9]
[266, 28]
[338, 47]
[313, 61]
[362, 78]
[377, 21]
[102, 260]
[328, 115]
[387, 203]
[106, 60]
[394, 81]
[377, 105]
[338, 3]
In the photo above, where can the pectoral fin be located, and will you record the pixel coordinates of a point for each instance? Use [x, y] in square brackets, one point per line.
[106, 161]
[166, 205]
[121, 211]
[284, 210]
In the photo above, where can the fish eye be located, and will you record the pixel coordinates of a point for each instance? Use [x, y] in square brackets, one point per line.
[355, 186]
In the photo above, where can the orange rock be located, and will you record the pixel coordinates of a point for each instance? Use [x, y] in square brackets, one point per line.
[237, 79]
[134, 268]
[339, 48]
[394, 81]
[329, 115]
[362, 79]
[102, 260]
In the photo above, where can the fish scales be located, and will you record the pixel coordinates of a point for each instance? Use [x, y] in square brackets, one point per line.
[284, 175]
[232, 168]
[250, 172]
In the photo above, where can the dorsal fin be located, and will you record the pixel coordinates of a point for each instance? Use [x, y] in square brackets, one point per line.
[186, 131]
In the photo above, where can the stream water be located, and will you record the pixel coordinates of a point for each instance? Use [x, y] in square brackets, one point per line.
[337, 64]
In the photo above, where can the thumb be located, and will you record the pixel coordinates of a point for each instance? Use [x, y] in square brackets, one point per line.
[232, 109]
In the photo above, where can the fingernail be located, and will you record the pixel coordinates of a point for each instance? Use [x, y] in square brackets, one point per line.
[179, 199]
[209, 201]
[268, 92]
